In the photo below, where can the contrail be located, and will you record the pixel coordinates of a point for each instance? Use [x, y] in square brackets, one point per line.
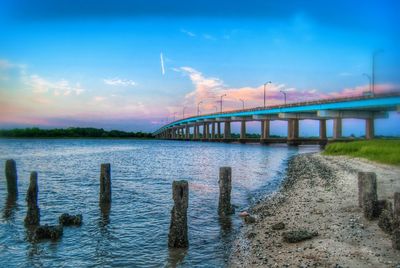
[162, 64]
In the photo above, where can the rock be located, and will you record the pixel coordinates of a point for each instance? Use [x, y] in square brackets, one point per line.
[249, 219]
[48, 232]
[66, 220]
[243, 214]
[298, 235]
[278, 226]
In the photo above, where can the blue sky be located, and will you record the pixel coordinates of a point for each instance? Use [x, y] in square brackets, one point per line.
[97, 63]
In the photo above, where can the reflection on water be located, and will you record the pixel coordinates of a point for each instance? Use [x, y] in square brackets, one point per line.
[10, 207]
[134, 231]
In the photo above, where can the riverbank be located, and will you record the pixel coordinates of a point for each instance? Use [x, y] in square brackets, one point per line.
[320, 196]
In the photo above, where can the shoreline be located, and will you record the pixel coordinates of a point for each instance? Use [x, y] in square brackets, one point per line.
[320, 195]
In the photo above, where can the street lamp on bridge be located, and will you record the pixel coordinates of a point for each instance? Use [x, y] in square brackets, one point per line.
[242, 103]
[374, 54]
[284, 95]
[198, 107]
[265, 84]
[370, 82]
[216, 108]
[221, 101]
[183, 112]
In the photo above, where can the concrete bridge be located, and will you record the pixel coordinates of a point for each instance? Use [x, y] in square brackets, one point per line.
[217, 126]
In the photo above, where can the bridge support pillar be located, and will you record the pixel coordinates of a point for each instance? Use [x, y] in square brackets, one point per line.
[322, 129]
[187, 132]
[290, 129]
[227, 130]
[265, 129]
[243, 130]
[293, 132]
[212, 131]
[204, 130]
[207, 125]
[337, 128]
[369, 128]
[219, 130]
[197, 127]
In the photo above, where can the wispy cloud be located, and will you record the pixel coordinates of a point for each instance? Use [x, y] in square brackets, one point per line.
[119, 82]
[162, 64]
[59, 88]
[345, 74]
[189, 33]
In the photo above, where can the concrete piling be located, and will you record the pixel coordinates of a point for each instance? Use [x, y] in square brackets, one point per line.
[105, 184]
[396, 239]
[367, 193]
[33, 213]
[225, 188]
[11, 177]
[178, 230]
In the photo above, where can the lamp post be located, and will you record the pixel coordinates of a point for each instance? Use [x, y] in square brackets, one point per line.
[221, 101]
[284, 95]
[183, 112]
[374, 54]
[265, 84]
[216, 108]
[198, 107]
[242, 103]
[370, 81]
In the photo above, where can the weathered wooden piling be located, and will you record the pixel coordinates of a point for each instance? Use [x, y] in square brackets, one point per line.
[33, 213]
[178, 230]
[225, 188]
[11, 177]
[367, 194]
[396, 205]
[396, 221]
[105, 184]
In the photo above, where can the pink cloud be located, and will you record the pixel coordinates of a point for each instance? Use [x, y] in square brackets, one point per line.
[209, 90]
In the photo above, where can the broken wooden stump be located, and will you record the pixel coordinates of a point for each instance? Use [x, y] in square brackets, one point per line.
[367, 194]
[11, 177]
[33, 213]
[178, 230]
[67, 220]
[48, 232]
[225, 188]
[105, 184]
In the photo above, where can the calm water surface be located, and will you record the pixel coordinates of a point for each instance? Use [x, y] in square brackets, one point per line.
[135, 231]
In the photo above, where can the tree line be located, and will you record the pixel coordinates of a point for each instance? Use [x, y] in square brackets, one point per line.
[73, 132]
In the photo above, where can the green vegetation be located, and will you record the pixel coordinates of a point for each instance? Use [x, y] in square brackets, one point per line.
[382, 151]
[71, 133]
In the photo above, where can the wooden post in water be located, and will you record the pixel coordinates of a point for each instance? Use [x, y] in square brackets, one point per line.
[396, 214]
[11, 177]
[367, 193]
[225, 188]
[105, 184]
[178, 230]
[33, 213]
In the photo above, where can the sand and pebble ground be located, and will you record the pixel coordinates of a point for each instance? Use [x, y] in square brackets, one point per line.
[319, 198]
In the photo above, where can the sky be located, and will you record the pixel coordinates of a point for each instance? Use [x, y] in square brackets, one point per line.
[134, 65]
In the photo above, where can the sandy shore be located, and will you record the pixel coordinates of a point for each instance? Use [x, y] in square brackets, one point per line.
[320, 195]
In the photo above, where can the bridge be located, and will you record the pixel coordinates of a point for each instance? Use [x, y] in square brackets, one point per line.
[208, 127]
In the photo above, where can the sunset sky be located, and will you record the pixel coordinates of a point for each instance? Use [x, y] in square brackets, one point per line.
[130, 65]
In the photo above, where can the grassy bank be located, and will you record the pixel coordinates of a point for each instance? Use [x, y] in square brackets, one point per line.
[382, 151]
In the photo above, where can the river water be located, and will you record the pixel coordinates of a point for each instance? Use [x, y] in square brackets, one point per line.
[135, 231]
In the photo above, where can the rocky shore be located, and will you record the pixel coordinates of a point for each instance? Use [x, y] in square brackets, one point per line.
[315, 220]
